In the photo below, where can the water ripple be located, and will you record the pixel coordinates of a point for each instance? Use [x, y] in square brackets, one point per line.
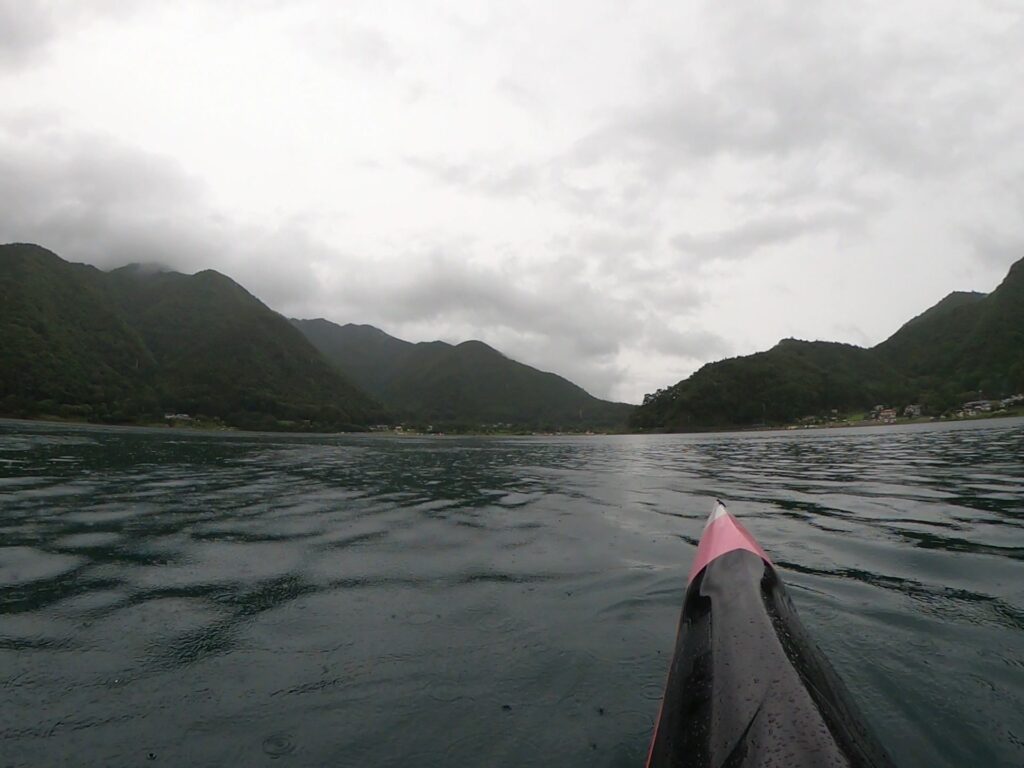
[214, 599]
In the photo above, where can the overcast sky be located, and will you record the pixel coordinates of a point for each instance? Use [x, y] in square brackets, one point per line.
[615, 191]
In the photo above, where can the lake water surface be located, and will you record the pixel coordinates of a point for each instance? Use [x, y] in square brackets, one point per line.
[178, 598]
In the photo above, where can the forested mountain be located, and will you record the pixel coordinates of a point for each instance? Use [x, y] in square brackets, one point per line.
[789, 381]
[129, 345]
[64, 346]
[132, 344]
[967, 342]
[968, 346]
[367, 356]
[465, 384]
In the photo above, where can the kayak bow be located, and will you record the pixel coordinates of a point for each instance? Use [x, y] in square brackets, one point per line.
[747, 686]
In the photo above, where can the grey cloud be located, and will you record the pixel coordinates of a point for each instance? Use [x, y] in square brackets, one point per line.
[445, 287]
[996, 249]
[25, 29]
[632, 258]
[649, 134]
[802, 89]
[584, 200]
[29, 27]
[675, 290]
[693, 344]
[520, 95]
[745, 239]
[93, 200]
[371, 49]
[797, 92]
[341, 40]
[793, 79]
[491, 178]
[619, 244]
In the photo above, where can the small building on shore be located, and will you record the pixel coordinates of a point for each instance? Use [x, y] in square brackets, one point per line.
[977, 407]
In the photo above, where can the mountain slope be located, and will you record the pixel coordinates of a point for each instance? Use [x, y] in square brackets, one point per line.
[968, 343]
[366, 355]
[465, 384]
[136, 342]
[791, 380]
[992, 358]
[928, 343]
[64, 347]
[965, 344]
[221, 350]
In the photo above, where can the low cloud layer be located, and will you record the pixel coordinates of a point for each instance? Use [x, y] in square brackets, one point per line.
[615, 193]
[24, 31]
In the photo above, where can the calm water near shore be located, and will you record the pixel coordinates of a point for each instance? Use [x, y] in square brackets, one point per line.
[178, 598]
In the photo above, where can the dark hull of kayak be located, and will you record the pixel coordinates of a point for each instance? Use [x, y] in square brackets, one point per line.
[747, 685]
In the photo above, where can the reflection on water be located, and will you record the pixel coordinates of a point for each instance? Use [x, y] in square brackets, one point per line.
[242, 599]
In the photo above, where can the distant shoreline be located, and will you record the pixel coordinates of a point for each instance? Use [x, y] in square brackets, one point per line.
[50, 419]
[1008, 414]
[214, 428]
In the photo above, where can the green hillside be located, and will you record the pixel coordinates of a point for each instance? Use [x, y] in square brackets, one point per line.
[135, 343]
[927, 345]
[468, 384]
[792, 380]
[65, 349]
[130, 345]
[968, 346]
[367, 356]
[991, 358]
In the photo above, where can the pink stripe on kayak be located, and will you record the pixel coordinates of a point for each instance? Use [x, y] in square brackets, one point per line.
[723, 533]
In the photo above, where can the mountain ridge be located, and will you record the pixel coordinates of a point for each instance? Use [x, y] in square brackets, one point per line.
[468, 382]
[131, 344]
[139, 341]
[966, 345]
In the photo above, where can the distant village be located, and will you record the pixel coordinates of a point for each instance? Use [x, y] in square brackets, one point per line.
[884, 414]
[979, 407]
[880, 414]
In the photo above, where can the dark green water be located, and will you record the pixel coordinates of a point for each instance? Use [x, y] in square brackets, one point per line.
[183, 599]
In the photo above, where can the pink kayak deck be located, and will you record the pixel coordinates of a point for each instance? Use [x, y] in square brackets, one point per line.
[723, 533]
